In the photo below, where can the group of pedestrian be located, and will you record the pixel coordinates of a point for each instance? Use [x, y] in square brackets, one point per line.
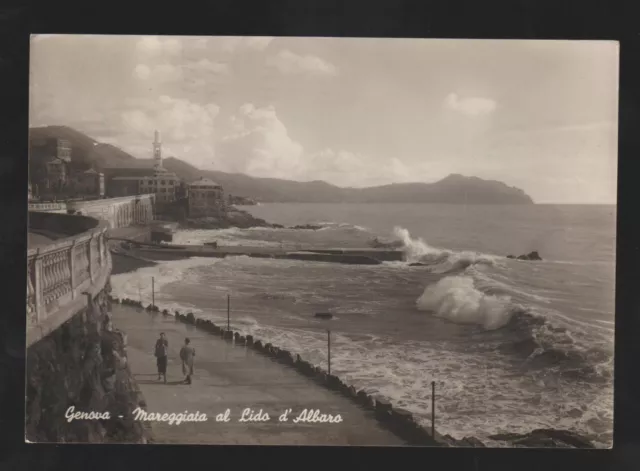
[187, 354]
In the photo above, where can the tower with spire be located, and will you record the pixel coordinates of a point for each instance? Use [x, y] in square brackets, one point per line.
[157, 151]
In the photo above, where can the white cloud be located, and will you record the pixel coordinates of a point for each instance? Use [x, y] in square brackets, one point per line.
[471, 106]
[206, 65]
[349, 169]
[228, 44]
[241, 43]
[187, 128]
[161, 73]
[142, 72]
[261, 146]
[155, 45]
[288, 62]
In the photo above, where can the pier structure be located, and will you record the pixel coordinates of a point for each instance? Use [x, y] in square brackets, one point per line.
[356, 256]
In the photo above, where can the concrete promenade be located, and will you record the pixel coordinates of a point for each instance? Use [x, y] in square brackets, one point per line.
[235, 378]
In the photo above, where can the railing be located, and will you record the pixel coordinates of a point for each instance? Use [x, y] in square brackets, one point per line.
[47, 206]
[59, 275]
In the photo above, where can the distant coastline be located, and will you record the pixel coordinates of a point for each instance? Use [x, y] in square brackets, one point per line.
[453, 189]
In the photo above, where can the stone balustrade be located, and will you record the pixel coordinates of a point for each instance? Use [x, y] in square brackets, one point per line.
[60, 274]
[52, 207]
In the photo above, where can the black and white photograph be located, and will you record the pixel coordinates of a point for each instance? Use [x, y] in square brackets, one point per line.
[389, 242]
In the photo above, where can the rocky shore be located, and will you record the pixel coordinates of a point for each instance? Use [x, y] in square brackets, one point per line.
[82, 368]
[240, 219]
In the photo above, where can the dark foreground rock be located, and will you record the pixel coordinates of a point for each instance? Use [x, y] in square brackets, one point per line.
[530, 256]
[545, 438]
[82, 367]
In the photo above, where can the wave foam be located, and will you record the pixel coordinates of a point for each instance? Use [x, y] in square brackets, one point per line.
[456, 299]
[138, 284]
[441, 260]
[542, 340]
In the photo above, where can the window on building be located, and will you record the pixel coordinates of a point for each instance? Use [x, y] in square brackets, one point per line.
[162, 182]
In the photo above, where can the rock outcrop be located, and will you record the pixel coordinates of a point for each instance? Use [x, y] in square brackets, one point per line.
[82, 365]
[530, 256]
[233, 218]
[308, 227]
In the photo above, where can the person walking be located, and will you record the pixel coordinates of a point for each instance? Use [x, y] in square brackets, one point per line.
[187, 352]
[162, 350]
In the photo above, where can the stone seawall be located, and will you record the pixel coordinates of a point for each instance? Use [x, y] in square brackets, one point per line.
[118, 212]
[399, 421]
[82, 364]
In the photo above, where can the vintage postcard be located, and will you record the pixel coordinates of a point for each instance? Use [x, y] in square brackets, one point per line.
[321, 241]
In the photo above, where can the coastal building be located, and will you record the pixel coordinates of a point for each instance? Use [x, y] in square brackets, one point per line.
[206, 198]
[49, 165]
[89, 183]
[144, 177]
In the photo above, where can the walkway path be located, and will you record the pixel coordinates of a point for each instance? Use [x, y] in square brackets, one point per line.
[37, 240]
[236, 378]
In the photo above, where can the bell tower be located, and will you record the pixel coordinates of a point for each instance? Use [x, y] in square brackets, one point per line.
[157, 151]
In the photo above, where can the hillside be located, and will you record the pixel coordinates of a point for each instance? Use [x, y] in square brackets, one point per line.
[452, 189]
[86, 151]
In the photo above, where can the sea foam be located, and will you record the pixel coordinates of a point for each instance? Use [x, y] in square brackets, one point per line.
[440, 260]
[456, 299]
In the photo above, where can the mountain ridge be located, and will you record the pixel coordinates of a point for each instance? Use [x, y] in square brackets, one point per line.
[453, 189]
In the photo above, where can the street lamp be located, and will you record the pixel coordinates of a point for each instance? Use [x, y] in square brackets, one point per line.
[326, 316]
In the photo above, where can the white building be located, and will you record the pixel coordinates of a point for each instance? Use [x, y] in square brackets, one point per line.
[156, 180]
[206, 198]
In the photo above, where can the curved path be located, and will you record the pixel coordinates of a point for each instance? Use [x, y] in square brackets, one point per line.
[235, 378]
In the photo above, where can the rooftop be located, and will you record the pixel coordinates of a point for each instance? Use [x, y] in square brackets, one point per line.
[204, 182]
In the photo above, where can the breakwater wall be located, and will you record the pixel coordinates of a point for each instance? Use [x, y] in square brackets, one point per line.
[399, 421]
[344, 256]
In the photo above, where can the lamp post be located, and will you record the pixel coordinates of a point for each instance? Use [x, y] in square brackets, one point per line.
[228, 311]
[326, 316]
[433, 409]
[328, 351]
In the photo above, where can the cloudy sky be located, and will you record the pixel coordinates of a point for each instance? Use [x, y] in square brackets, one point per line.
[539, 115]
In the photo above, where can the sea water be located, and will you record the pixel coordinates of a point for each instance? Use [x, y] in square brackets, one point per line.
[512, 345]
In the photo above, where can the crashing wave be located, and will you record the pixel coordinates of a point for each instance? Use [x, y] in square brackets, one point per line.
[417, 251]
[456, 299]
[344, 226]
[534, 337]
